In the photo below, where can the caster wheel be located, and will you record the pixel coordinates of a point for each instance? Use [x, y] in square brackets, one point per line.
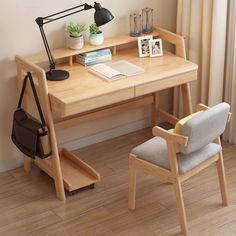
[71, 193]
[92, 186]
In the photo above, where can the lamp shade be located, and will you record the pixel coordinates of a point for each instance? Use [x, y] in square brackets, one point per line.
[101, 15]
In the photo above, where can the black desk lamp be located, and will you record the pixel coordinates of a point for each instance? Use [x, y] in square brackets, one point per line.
[101, 17]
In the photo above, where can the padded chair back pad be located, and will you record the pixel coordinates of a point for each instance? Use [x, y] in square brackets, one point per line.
[205, 127]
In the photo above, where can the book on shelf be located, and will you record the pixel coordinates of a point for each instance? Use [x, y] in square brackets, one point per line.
[94, 57]
[116, 71]
[92, 61]
[96, 53]
[88, 59]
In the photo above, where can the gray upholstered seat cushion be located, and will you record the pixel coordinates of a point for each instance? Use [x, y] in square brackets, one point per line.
[155, 152]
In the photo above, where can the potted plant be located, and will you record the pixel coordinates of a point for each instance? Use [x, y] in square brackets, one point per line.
[75, 39]
[96, 36]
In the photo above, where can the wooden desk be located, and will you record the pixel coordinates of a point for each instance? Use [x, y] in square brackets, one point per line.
[85, 96]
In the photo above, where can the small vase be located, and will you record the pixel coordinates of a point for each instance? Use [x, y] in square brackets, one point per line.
[147, 20]
[75, 43]
[96, 39]
[135, 25]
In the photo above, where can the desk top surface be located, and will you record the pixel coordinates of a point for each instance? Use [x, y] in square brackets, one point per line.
[83, 85]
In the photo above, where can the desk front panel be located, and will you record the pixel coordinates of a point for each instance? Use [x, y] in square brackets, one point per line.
[162, 84]
[72, 108]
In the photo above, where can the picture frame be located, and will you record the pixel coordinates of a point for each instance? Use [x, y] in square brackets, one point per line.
[143, 45]
[155, 47]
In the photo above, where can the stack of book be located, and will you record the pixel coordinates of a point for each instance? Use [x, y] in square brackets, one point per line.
[94, 57]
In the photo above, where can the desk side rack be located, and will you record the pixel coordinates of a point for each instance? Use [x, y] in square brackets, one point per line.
[67, 170]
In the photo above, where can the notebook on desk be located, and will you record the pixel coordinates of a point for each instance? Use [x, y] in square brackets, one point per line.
[117, 70]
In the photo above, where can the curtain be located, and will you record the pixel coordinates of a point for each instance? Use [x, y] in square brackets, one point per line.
[203, 24]
[230, 72]
[209, 28]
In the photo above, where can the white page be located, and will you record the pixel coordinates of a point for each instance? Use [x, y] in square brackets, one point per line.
[105, 70]
[127, 68]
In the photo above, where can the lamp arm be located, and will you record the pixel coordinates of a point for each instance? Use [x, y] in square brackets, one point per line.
[46, 19]
[49, 54]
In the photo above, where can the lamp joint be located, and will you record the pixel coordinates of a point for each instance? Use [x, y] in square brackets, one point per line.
[87, 6]
[39, 21]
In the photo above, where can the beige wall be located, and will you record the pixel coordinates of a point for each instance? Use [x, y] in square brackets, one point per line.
[20, 35]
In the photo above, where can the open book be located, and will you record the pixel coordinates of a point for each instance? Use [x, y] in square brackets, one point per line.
[115, 71]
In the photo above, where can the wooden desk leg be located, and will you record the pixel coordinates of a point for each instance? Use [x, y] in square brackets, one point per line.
[56, 166]
[132, 181]
[27, 163]
[187, 101]
[155, 108]
[58, 180]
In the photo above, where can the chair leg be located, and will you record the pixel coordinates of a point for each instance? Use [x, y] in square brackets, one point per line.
[180, 206]
[132, 182]
[222, 180]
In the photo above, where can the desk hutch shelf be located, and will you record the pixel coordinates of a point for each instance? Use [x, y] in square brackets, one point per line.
[84, 97]
[112, 42]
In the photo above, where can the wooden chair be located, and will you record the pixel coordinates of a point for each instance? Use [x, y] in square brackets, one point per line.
[176, 157]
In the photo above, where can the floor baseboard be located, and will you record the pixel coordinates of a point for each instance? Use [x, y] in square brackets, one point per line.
[107, 134]
[10, 164]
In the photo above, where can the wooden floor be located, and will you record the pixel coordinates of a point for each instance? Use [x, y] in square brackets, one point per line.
[28, 205]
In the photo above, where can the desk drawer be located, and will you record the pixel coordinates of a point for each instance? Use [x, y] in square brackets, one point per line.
[73, 108]
[165, 83]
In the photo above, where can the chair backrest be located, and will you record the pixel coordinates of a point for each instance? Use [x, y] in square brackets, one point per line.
[205, 127]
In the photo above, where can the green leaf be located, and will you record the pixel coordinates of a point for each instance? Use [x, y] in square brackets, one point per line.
[75, 30]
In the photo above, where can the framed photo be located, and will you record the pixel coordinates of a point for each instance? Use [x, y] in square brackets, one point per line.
[155, 47]
[143, 45]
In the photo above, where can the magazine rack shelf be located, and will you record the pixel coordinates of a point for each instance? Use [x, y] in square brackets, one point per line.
[67, 170]
[73, 169]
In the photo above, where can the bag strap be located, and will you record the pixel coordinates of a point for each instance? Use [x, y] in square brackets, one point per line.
[29, 76]
[22, 92]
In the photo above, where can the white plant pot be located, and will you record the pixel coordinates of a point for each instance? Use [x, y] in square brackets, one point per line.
[75, 43]
[96, 39]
